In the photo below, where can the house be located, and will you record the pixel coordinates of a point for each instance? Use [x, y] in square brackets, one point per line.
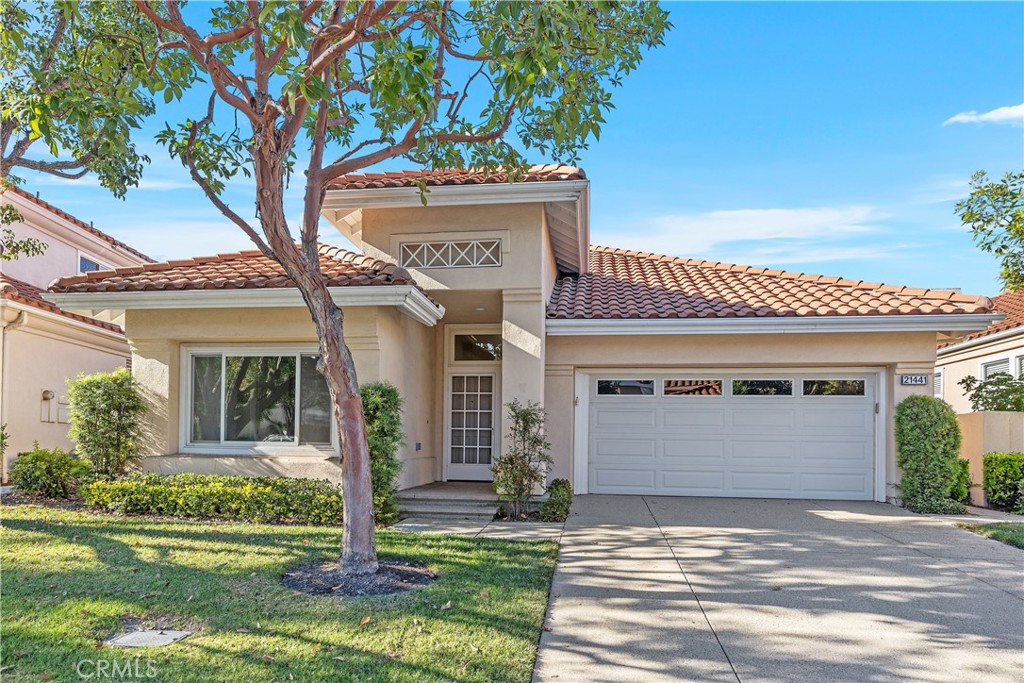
[997, 348]
[41, 344]
[660, 375]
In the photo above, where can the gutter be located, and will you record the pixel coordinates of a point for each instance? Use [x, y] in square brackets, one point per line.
[970, 343]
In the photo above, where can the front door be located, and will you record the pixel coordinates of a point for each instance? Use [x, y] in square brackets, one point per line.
[472, 425]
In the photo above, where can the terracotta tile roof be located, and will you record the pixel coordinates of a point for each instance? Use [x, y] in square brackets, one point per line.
[1010, 303]
[630, 284]
[240, 270]
[13, 289]
[77, 222]
[451, 176]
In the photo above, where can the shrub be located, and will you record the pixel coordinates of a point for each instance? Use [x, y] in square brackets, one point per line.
[212, 496]
[382, 410]
[522, 468]
[1003, 477]
[927, 450]
[961, 490]
[556, 507]
[1001, 391]
[105, 409]
[48, 472]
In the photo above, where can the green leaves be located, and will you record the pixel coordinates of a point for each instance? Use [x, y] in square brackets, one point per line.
[994, 212]
[1000, 391]
[927, 450]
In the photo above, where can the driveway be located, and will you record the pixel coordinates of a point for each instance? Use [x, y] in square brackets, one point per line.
[703, 589]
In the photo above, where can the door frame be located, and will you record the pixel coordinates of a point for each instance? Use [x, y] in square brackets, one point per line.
[453, 368]
[584, 376]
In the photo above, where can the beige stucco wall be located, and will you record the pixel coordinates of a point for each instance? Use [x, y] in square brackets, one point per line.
[956, 365]
[895, 353]
[989, 432]
[42, 354]
[380, 340]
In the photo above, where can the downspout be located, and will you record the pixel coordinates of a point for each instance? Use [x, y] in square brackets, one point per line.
[5, 327]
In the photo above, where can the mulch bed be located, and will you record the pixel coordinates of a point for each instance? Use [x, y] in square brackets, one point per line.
[59, 503]
[324, 578]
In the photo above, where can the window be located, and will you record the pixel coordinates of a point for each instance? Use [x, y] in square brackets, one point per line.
[993, 367]
[692, 387]
[762, 387]
[478, 347]
[625, 387]
[87, 265]
[1020, 367]
[834, 387]
[937, 384]
[461, 254]
[244, 398]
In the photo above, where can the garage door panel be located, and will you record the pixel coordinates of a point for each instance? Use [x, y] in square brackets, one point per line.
[819, 446]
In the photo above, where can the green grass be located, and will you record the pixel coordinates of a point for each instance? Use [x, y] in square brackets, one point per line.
[71, 579]
[1010, 533]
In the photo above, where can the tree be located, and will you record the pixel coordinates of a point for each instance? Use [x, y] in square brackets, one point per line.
[1000, 391]
[351, 84]
[11, 246]
[994, 212]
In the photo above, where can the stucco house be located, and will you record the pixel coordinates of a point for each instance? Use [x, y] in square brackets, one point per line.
[41, 344]
[997, 348]
[659, 375]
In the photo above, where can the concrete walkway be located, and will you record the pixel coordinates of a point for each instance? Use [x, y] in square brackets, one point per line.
[654, 589]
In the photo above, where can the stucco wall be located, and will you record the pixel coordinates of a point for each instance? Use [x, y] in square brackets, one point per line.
[989, 432]
[157, 337]
[959, 364]
[42, 355]
[896, 353]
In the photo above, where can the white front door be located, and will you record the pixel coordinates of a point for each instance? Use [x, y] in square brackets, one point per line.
[472, 425]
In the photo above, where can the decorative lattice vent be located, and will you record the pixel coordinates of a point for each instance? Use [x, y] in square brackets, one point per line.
[461, 254]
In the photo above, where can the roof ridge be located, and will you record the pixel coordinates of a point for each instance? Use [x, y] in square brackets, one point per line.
[78, 222]
[944, 294]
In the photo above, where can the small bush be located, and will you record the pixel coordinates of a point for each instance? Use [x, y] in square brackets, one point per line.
[961, 491]
[522, 468]
[48, 472]
[927, 450]
[211, 496]
[1003, 477]
[105, 409]
[556, 507]
[382, 410]
[1001, 391]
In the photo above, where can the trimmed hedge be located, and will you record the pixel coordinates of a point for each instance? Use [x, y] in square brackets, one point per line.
[53, 473]
[1003, 480]
[927, 450]
[961, 491]
[211, 496]
[556, 507]
[382, 410]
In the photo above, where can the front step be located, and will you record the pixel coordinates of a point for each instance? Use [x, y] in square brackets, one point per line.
[447, 508]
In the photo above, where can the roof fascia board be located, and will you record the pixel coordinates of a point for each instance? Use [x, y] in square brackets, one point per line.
[456, 195]
[407, 298]
[971, 343]
[902, 323]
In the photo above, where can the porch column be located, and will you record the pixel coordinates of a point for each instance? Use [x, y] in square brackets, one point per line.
[522, 355]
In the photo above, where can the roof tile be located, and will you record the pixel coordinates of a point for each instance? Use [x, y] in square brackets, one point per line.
[22, 292]
[451, 176]
[1009, 303]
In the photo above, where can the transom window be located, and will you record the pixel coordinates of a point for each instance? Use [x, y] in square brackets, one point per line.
[454, 254]
[243, 398]
[480, 348]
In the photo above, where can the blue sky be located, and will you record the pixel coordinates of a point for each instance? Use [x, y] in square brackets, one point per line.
[827, 138]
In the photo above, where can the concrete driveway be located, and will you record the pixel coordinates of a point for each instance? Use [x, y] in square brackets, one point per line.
[699, 589]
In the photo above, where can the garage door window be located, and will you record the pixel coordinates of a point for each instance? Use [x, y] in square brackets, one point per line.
[762, 387]
[692, 387]
[834, 387]
[625, 387]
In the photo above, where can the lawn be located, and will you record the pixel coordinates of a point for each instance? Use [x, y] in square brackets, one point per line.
[71, 579]
[1010, 533]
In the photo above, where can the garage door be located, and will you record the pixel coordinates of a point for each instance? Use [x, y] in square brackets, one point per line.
[753, 435]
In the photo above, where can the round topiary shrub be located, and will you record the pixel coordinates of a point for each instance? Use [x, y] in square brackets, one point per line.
[927, 450]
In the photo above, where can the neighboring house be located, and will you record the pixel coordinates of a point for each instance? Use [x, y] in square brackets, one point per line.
[997, 348]
[42, 345]
[659, 375]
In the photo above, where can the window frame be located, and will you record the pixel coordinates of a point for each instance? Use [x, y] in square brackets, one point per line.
[983, 375]
[254, 448]
[89, 257]
[831, 378]
[722, 381]
[938, 383]
[639, 377]
[793, 386]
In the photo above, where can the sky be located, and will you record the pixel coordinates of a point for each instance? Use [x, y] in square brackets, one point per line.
[830, 138]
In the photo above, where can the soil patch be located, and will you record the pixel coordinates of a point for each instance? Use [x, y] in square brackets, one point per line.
[58, 503]
[324, 578]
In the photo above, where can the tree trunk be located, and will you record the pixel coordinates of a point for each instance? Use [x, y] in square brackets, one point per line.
[358, 543]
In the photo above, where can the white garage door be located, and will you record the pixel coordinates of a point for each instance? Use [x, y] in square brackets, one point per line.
[750, 434]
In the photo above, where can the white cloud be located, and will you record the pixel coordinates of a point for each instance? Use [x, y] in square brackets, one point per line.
[1013, 116]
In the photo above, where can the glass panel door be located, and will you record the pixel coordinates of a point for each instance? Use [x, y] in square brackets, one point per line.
[471, 426]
